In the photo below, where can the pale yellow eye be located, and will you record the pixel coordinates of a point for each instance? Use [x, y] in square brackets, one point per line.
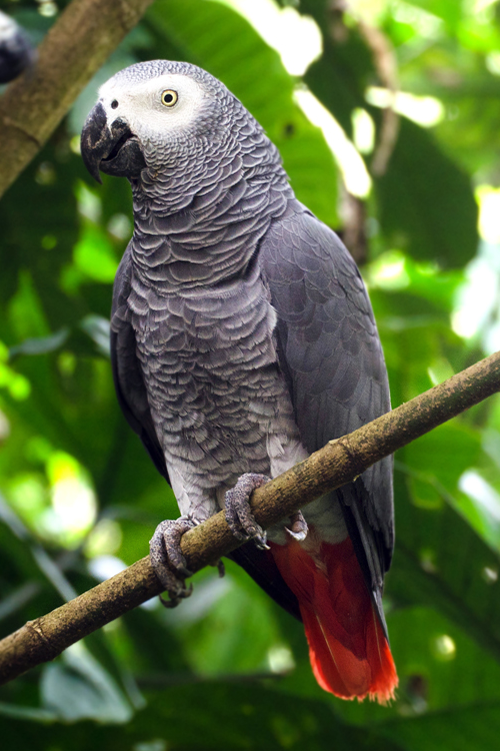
[169, 97]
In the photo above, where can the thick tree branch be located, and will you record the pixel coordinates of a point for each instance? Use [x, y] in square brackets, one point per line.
[339, 462]
[73, 50]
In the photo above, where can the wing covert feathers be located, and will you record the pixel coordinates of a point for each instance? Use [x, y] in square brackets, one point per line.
[349, 653]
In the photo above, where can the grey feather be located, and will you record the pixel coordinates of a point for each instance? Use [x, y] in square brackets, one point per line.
[243, 337]
[330, 354]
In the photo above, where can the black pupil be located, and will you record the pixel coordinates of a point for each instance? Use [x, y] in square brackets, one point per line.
[114, 104]
[168, 98]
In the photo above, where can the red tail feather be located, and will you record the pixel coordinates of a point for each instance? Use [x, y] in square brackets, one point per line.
[349, 652]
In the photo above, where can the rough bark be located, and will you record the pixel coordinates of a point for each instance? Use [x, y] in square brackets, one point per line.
[339, 462]
[70, 54]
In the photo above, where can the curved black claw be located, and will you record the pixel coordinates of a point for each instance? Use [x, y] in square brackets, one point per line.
[239, 515]
[220, 568]
[167, 560]
[298, 528]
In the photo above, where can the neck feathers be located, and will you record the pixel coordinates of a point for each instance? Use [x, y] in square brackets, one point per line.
[201, 224]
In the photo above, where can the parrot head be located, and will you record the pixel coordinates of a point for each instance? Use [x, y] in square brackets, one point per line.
[156, 115]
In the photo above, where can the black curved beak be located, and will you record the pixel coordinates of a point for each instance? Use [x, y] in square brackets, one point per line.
[96, 140]
[111, 149]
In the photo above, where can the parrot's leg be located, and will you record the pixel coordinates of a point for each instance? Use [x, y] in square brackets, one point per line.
[239, 515]
[167, 560]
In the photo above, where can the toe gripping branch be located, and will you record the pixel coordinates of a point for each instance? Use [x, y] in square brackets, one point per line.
[167, 560]
[239, 515]
[241, 520]
[165, 550]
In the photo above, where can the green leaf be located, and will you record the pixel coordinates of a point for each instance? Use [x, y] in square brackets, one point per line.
[78, 687]
[233, 633]
[18, 712]
[441, 562]
[426, 201]
[212, 716]
[473, 728]
[340, 76]
[41, 345]
[94, 254]
[98, 329]
[444, 454]
[448, 10]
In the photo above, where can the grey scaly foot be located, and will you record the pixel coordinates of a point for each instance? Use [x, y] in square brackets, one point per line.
[298, 528]
[239, 515]
[167, 560]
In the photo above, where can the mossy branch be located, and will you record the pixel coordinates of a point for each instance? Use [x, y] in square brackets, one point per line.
[71, 53]
[339, 462]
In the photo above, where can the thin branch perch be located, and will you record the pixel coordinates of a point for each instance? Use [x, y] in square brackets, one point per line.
[339, 462]
[71, 53]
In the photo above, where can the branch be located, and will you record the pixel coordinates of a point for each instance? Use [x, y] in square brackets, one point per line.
[338, 463]
[71, 53]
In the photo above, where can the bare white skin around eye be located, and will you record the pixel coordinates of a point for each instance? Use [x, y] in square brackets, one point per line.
[140, 103]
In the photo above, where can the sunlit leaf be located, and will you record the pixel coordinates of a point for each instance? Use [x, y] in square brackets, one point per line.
[77, 687]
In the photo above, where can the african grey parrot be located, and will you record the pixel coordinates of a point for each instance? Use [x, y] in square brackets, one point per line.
[16, 51]
[243, 340]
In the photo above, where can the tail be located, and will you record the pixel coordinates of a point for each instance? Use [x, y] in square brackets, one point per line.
[349, 653]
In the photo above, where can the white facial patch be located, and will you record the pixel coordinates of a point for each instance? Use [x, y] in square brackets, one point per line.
[140, 104]
[8, 27]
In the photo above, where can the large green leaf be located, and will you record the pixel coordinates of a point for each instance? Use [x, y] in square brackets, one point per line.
[448, 10]
[77, 687]
[441, 562]
[340, 76]
[426, 201]
[207, 716]
[474, 728]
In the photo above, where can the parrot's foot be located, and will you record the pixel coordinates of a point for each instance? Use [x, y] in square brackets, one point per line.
[167, 560]
[298, 528]
[239, 515]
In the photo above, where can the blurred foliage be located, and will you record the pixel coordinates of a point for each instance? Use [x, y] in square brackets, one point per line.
[79, 496]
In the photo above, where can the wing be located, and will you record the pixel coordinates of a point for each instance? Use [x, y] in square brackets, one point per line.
[330, 354]
[127, 373]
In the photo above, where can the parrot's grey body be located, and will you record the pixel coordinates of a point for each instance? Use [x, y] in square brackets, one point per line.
[242, 335]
